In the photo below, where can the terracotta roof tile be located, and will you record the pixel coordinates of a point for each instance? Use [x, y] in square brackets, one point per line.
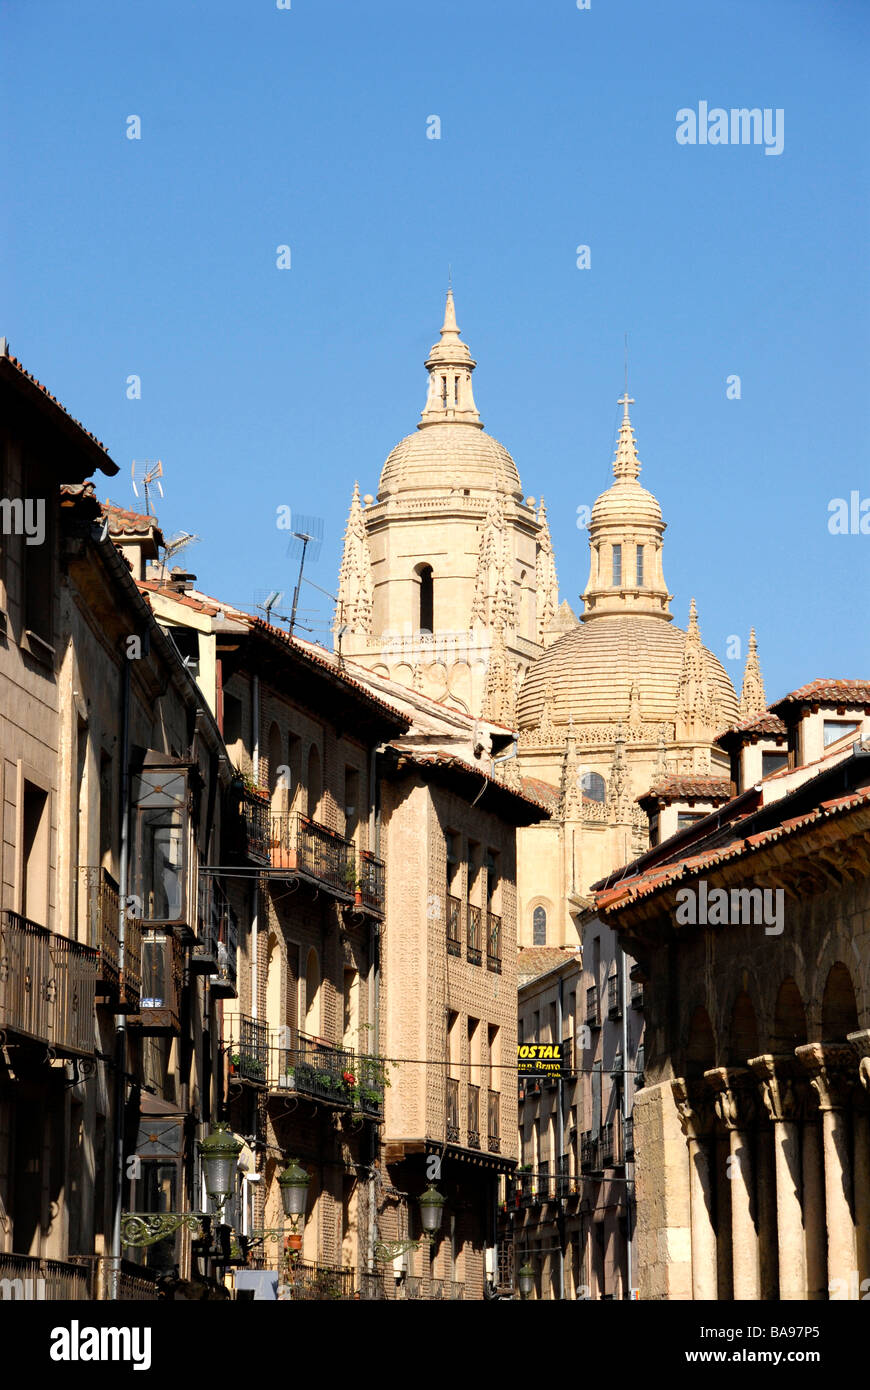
[764, 723]
[688, 787]
[439, 758]
[122, 521]
[828, 692]
[6, 356]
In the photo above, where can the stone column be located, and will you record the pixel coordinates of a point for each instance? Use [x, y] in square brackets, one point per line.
[861, 1155]
[813, 1170]
[735, 1110]
[775, 1077]
[831, 1068]
[696, 1123]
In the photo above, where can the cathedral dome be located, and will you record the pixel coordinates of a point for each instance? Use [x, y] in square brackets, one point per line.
[626, 501]
[589, 673]
[452, 456]
[450, 450]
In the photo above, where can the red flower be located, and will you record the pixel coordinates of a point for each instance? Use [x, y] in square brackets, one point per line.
[349, 1077]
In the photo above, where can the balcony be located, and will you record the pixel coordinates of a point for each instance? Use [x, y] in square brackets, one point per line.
[606, 1150]
[370, 892]
[452, 1110]
[454, 926]
[249, 1050]
[24, 1278]
[162, 984]
[447, 1288]
[593, 1007]
[473, 951]
[636, 994]
[413, 1286]
[589, 1155]
[493, 943]
[217, 948]
[47, 985]
[614, 1004]
[318, 1283]
[493, 1110]
[303, 846]
[102, 915]
[338, 1077]
[254, 810]
[628, 1137]
[473, 1117]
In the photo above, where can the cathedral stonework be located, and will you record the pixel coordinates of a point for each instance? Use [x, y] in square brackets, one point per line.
[448, 585]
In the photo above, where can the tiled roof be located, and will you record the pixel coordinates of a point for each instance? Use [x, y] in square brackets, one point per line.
[764, 723]
[124, 522]
[438, 758]
[541, 792]
[647, 884]
[109, 467]
[689, 788]
[828, 692]
[533, 961]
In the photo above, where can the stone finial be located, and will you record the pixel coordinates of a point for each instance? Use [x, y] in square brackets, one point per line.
[626, 463]
[697, 706]
[752, 699]
[354, 608]
[546, 582]
[450, 398]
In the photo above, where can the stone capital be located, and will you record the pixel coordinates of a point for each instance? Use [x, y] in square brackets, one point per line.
[776, 1080]
[733, 1097]
[861, 1043]
[696, 1119]
[832, 1072]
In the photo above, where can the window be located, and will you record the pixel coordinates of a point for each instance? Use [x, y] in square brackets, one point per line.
[186, 641]
[232, 729]
[685, 818]
[34, 844]
[159, 835]
[491, 878]
[639, 553]
[444, 391]
[539, 927]
[312, 994]
[617, 565]
[593, 786]
[351, 802]
[426, 614]
[37, 563]
[314, 786]
[350, 1018]
[456, 390]
[838, 728]
[772, 762]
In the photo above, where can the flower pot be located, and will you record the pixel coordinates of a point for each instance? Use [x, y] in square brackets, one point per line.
[294, 1241]
[357, 897]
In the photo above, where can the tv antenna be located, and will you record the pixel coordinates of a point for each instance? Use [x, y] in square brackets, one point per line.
[268, 604]
[152, 474]
[309, 535]
[174, 547]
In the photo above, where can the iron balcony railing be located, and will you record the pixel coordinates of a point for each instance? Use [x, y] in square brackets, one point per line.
[102, 918]
[447, 1288]
[254, 811]
[588, 1152]
[373, 1287]
[614, 1006]
[452, 1110]
[493, 1121]
[136, 1285]
[637, 994]
[413, 1286]
[24, 1278]
[454, 926]
[307, 1066]
[473, 1117]
[318, 1283]
[606, 1144]
[473, 952]
[628, 1137]
[593, 1007]
[248, 1050]
[47, 985]
[304, 846]
[493, 943]
[370, 882]
[217, 948]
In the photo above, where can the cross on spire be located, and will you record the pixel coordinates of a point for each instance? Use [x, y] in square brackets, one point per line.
[625, 401]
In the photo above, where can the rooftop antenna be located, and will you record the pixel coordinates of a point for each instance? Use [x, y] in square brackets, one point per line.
[310, 533]
[152, 474]
[174, 547]
[274, 596]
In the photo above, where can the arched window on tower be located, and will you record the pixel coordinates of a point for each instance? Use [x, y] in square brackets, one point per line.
[593, 786]
[616, 579]
[539, 927]
[427, 599]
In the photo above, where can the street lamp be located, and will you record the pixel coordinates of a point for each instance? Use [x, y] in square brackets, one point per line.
[431, 1210]
[219, 1153]
[525, 1279]
[293, 1183]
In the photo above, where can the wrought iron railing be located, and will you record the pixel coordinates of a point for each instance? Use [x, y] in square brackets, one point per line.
[318, 1283]
[452, 1110]
[637, 994]
[370, 880]
[447, 1288]
[614, 1008]
[249, 1050]
[493, 1106]
[28, 1279]
[306, 1066]
[217, 947]
[413, 1286]
[473, 1116]
[102, 917]
[304, 846]
[47, 985]
[588, 1152]
[628, 1137]
[606, 1144]
[493, 943]
[254, 810]
[593, 1007]
[454, 926]
[473, 952]
[373, 1287]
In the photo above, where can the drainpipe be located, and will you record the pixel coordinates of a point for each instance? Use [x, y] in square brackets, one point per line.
[560, 1142]
[255, 890]
[120, 1087]
[629, 1204]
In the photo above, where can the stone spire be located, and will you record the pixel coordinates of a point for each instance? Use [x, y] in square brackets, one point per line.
[619, 792]
[572, 796]
[697, 711]
[450, 399]
[626, 463]
[499, 692]
[493, 601]
[752, 699]
[660, 770]
[546, 583]
[356, 582]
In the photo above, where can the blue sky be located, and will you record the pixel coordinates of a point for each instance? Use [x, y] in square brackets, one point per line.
[307, 127]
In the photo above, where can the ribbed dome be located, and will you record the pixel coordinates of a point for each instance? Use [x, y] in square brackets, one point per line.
[592, 668]
[626, 501]
[449, 455]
